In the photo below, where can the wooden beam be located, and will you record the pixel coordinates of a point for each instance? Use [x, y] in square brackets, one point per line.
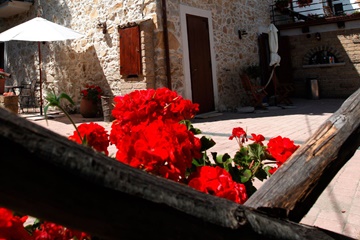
[296, 186]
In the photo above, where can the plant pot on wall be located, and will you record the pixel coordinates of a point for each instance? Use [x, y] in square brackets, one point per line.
[88, 108]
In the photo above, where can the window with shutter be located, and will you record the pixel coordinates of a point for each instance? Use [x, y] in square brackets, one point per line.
[130, 52]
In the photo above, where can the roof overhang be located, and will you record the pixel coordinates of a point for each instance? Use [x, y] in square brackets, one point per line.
[12, 8]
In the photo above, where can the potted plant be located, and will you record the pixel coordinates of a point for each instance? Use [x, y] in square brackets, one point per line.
[90, 102]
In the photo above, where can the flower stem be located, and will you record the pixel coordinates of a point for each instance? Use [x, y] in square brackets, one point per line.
[73, 123]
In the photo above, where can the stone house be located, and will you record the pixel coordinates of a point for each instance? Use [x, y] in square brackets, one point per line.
[321, 43]
[197, 48]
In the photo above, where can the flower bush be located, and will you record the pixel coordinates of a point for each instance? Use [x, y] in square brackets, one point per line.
[152, 132]
[148, 133]
[92, 92]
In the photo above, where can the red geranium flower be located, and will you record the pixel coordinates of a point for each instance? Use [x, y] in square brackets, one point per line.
[281, 148]
[240, 135]
[51, 231]
[162, 148]
[11, 227]
[94, 135]
[92, 92]
[218, 182]
[257, 138]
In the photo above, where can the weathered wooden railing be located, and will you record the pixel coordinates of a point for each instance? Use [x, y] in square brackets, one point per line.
[45, 175]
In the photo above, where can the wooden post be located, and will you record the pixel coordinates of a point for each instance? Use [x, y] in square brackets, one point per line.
[295, 187]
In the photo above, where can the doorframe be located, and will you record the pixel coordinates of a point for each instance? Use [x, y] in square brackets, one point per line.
[186, 59]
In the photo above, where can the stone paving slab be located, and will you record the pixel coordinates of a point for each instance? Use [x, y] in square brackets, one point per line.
[337, 209]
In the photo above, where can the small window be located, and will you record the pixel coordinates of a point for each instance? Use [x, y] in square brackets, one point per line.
[130, 52]
[322, 57]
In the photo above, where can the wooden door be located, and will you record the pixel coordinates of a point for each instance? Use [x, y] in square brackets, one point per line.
[2, 55]
[264, 56]
[200, 62]
[284, 71]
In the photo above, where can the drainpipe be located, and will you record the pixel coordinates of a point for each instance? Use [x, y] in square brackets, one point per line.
[166, 44]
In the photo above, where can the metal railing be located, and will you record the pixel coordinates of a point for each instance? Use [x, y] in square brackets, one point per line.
[315, 11]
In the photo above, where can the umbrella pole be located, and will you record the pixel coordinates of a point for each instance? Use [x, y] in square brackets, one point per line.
[41, 101]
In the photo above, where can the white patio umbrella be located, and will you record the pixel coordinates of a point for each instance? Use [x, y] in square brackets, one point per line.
[274, 46]
[39, 30]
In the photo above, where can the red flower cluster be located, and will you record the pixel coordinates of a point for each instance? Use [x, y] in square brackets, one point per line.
[257, 138]
[51, 231]
[239, 134]
[148, 105]
[11, 227]
[94, 136]
[164, 148]
[92, 92]
[148, 135]
[281, 149]
[218, 182]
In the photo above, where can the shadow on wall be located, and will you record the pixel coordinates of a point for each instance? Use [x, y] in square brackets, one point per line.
[75, 70]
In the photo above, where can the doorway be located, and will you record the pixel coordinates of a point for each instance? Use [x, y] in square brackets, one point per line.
[200, 63]
[199, 67]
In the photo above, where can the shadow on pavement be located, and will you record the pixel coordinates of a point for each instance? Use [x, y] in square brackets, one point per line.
[300, 106]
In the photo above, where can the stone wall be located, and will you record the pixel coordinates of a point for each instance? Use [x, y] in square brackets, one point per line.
[337, 80]
[68, 66]
[232, 53]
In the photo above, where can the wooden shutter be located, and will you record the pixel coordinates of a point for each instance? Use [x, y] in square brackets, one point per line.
[2, 55]
[130, 52]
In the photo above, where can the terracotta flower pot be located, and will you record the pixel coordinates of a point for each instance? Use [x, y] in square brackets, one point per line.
[88, 108]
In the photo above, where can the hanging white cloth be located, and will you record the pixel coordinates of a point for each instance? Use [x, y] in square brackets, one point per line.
[274, 46]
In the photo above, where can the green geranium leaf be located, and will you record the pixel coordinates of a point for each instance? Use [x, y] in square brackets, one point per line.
[206, 143]
[250, 189]
[203, 161]
[261, 174]
[190, 127]
[256, 151]
[223, 158]
[266, 169]
[235, 174]
[246, 175]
